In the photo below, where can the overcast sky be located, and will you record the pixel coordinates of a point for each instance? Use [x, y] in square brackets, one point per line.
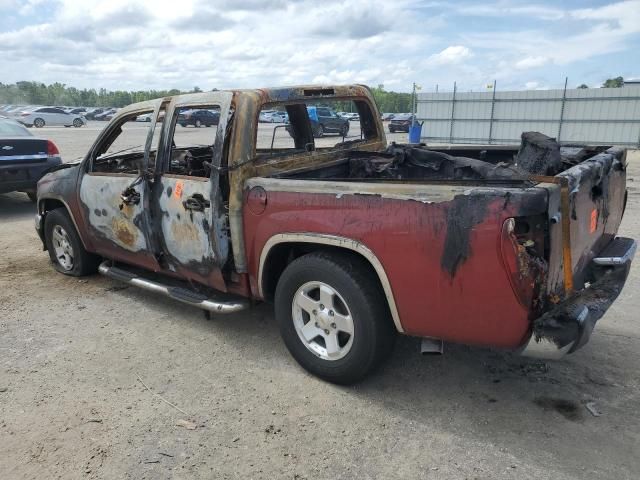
[119, 44]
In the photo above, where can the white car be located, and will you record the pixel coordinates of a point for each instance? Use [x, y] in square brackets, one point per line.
[277, 117]
[48, 116]
[265, 116]
[145, 117]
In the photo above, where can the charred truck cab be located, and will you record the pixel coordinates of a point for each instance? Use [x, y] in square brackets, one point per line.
[353, 240]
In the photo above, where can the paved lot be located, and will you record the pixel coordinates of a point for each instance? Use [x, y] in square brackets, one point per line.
[82, 360]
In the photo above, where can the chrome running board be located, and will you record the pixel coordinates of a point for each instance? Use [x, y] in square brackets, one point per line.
[180, 294]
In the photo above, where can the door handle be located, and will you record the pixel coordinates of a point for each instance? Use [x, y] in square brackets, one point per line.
[196, 203]
[130, 196]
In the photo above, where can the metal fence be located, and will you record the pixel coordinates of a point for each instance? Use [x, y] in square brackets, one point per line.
[604, 116]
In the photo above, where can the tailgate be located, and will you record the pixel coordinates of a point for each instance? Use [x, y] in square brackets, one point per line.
[596, 191]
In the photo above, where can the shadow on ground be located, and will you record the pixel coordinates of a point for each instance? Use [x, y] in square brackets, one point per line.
[15, 206]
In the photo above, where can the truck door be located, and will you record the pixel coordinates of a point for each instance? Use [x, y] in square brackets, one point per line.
[188, 205]
[115, 196]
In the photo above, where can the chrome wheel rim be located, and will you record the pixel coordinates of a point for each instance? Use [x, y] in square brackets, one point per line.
[322, 320]
[62, 247]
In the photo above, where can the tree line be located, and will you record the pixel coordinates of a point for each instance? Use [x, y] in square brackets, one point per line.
[37, 93]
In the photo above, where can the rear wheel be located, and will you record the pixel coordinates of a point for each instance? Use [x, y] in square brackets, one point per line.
[333, 317]
[198, 123]
[38, 123]
[77, 122]
[65, 247]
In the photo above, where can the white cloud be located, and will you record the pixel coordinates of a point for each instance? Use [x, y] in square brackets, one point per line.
[531, 62]
[250, 43]
[450, 55]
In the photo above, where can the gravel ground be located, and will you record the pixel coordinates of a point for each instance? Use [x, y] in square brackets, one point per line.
[98, 380]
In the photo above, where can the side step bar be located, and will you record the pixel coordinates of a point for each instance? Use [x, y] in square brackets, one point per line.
[177, 293]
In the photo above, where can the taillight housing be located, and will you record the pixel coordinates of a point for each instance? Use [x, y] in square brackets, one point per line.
[522, 247]
[52, 150]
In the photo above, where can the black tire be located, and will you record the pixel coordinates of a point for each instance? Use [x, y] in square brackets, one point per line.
[183, 124]
[33, 196]
[319, 131]
[344, 131]
[38, 123]
[392, 130]
[148, 120]
[373, 330]
[84, 263]
[198, 123]
[77, 123]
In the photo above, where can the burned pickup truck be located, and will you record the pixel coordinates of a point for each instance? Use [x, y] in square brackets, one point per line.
[353, 240]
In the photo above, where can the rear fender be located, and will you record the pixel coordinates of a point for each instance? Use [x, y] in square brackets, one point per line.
[335, 241]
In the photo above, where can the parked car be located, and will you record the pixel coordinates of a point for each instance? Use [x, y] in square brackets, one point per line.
[199, 118]
[48, 116]
[23, 158]
[145, 117]
[76, 111]
[385, 117]
[105, 114]
[91, 114]
[400, 122]
[275, 117]
[353, 243]
[352, 116]
[324, 120]
[265, 116]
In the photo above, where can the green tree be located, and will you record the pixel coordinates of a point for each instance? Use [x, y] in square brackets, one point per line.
[613, 82]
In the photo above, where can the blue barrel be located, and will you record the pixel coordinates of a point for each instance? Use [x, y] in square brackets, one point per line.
[415, 131]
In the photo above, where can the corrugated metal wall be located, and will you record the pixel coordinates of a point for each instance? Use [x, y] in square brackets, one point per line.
[607, 116]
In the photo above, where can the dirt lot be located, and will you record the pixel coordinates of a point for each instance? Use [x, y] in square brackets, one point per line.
[83, 363]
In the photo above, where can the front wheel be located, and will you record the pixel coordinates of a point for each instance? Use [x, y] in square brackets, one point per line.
[198, 123]
[38, 123]
[65, 247]
[333, 317]
[319, 131]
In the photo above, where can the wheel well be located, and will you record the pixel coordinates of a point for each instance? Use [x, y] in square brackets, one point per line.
[283, 254]
[49, 204]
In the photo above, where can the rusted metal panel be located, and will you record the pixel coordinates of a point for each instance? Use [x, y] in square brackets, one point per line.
[410, 239]
[247, 104]
[108, 216]
[187, 236]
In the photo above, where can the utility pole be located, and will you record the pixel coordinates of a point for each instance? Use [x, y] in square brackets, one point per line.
[413, 103]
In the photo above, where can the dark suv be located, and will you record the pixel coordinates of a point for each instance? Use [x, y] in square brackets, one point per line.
[198, 118]
[327, 121]
[400, 122]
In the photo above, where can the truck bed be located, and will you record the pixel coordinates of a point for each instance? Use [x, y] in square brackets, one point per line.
[477, 221]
